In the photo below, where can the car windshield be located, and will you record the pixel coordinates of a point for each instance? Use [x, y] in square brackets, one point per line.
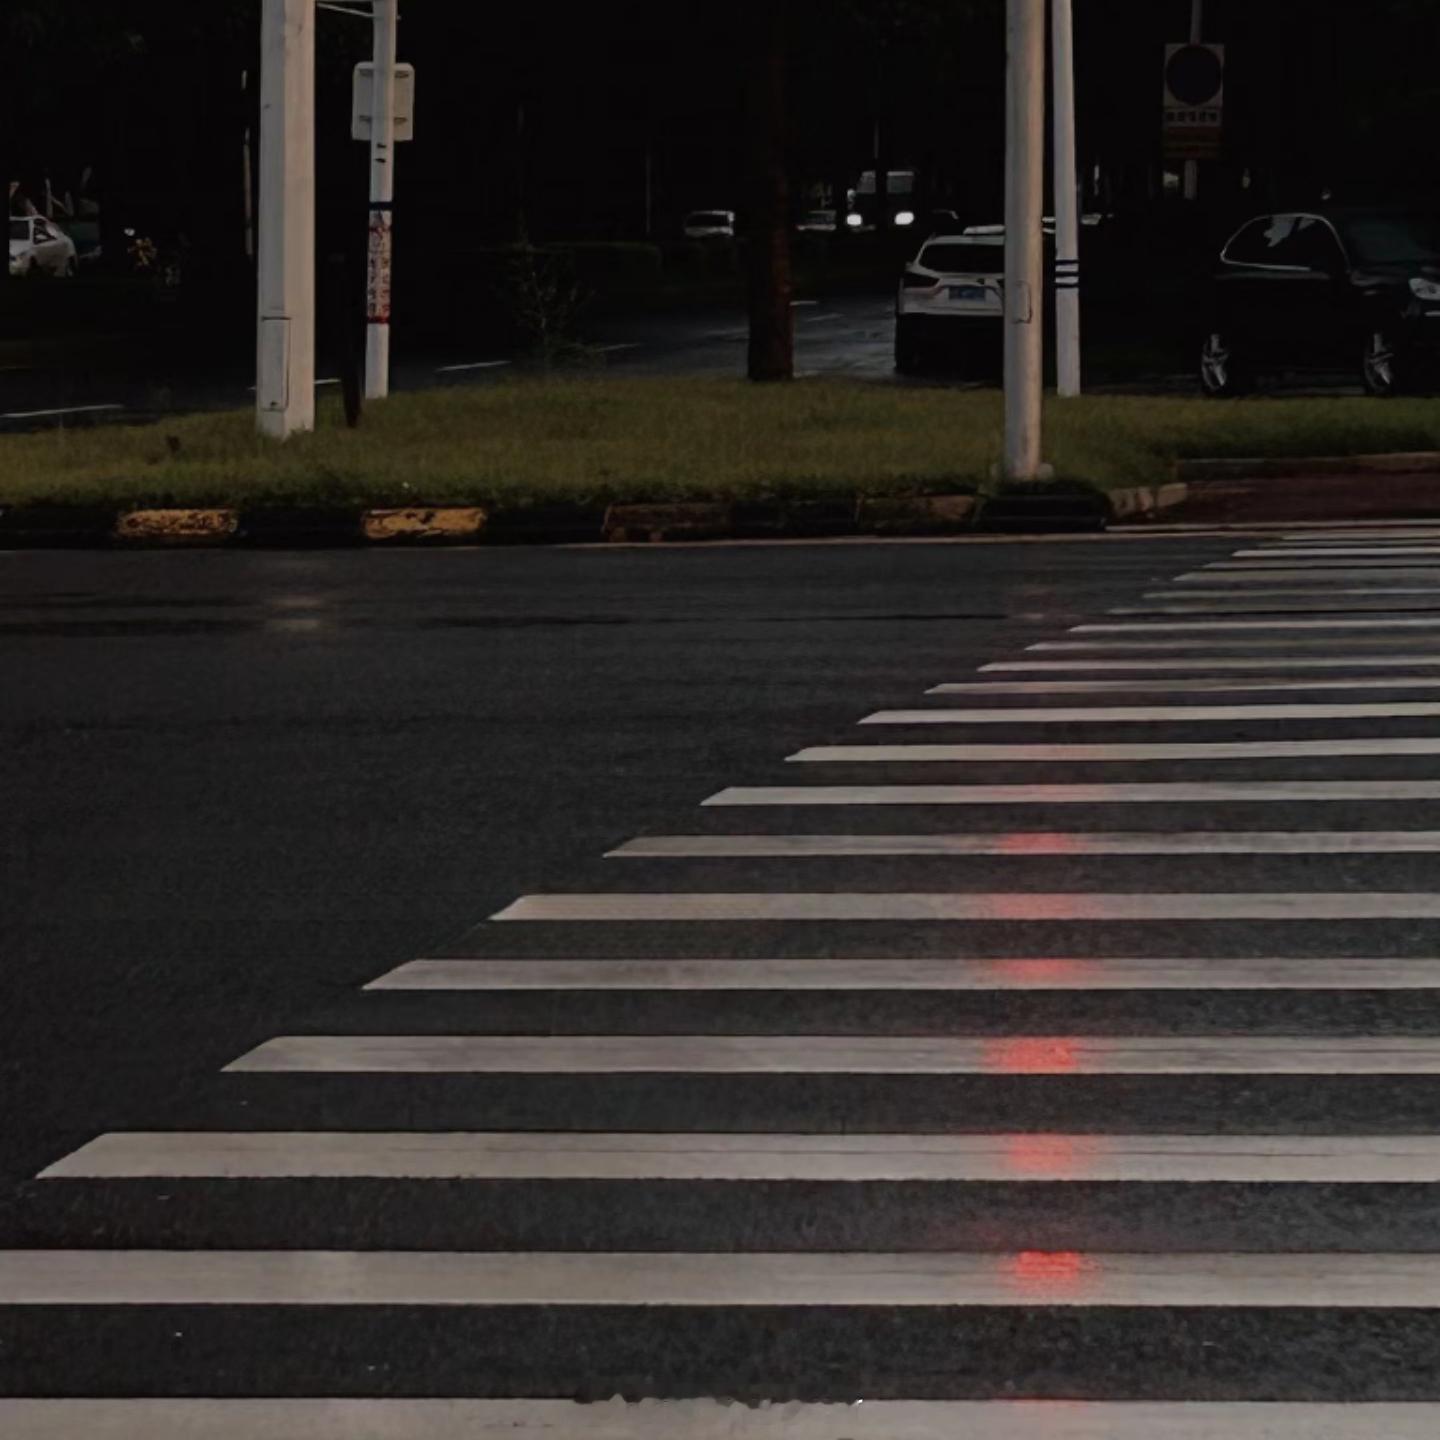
[985, 254]
[709, 217]
[19, 229]
[1394, 239]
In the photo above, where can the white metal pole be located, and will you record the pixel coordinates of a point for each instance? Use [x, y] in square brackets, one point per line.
[247, 178]
[1067, 206]
[285, 370]
[382, 194]
[1024, 249]
[1197, 33]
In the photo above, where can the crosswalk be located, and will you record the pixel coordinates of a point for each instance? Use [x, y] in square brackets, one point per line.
[1074, 1075]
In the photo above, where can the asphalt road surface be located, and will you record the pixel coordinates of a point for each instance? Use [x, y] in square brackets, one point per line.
[442, 988]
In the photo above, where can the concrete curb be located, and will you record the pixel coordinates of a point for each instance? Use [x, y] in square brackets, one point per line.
[1042, 510]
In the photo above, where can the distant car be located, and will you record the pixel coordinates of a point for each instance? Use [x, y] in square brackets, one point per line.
[817, 222]
[1326, 289]
[39, 246]
[710, 225]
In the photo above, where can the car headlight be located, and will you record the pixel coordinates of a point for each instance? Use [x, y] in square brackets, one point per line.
[904, 217]
[854, 221]
[1423, 289]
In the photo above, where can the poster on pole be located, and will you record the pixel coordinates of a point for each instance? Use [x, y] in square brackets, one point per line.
[361, 103]
[1194, 101]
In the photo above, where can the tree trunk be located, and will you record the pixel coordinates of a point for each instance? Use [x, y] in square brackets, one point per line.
[772, 322]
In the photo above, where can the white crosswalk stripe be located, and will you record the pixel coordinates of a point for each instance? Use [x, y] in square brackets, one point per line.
[1101, 714]
[1021, 973]
[1042, 842]
[865, 1080]
[1201, 792]
[138, 1277]
[1013, 907]
[711, 1420]
[848, 1159]
[1148, 684]
[1162, 750]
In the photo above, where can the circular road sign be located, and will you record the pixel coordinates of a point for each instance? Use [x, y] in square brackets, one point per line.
[1194, 75]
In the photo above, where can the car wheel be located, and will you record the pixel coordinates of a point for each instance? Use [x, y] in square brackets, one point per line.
[1222, 373]
[1381, 366]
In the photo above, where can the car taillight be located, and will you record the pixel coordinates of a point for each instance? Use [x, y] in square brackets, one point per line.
[914, 280]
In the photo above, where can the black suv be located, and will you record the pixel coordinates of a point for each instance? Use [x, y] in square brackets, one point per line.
[1327, 289]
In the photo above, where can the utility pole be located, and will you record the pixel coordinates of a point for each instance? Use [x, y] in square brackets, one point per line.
[1197, 34]
[285, 378]
[247, 174]
[1024, 249]
[382, 195]
[1067, 206]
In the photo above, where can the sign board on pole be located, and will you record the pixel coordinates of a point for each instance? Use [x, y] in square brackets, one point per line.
[364, 88]
[1194, 101]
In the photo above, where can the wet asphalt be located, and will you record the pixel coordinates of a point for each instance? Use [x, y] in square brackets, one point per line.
[241, 785]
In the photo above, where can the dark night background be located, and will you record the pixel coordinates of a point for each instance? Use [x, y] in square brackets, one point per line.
[547, 114]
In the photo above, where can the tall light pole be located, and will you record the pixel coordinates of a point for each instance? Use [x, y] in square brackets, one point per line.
[1024, 247]
[285, 359]
[1197, 34]
[1067, 205]
[382, 196]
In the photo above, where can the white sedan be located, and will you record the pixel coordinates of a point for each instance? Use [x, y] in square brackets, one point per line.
[39, 246]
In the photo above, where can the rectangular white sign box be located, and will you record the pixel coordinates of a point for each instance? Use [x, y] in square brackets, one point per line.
[363, 91]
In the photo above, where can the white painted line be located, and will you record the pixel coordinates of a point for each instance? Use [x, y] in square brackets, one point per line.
[1300, 645]
[62, 410]
[377, 1277]
[1025, 844]
[1009, 908]
[321, 1419]
[1255, 596]
[797, 303]
[1217, 601]
[1211, 792]
[1104, 714]
[1295, 552]
[1278, 574]
[816, 319]
[1160, 627]
[1062, 754]
[618, 346]
[847, 1159]
[1208, 685]
[1025, 974]
[838, 1055]
[472, 365]
[1351, 537]
[1222, 662]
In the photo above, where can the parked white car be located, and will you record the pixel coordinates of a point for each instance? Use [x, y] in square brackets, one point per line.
[951, 300]
[39, 246]
[710, 225]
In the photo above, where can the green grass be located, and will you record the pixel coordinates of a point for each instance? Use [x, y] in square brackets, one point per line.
[606, 438]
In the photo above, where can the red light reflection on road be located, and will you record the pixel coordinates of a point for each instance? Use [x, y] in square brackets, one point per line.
[1035, 842]
[1032, 1055]
[1051, 1274]
[1032, 905]
[1045, 972]
[1063, 1157]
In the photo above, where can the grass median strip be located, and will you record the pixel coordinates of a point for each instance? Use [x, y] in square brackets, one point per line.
[608, 439]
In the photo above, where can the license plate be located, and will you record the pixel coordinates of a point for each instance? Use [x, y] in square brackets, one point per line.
[972, 293]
